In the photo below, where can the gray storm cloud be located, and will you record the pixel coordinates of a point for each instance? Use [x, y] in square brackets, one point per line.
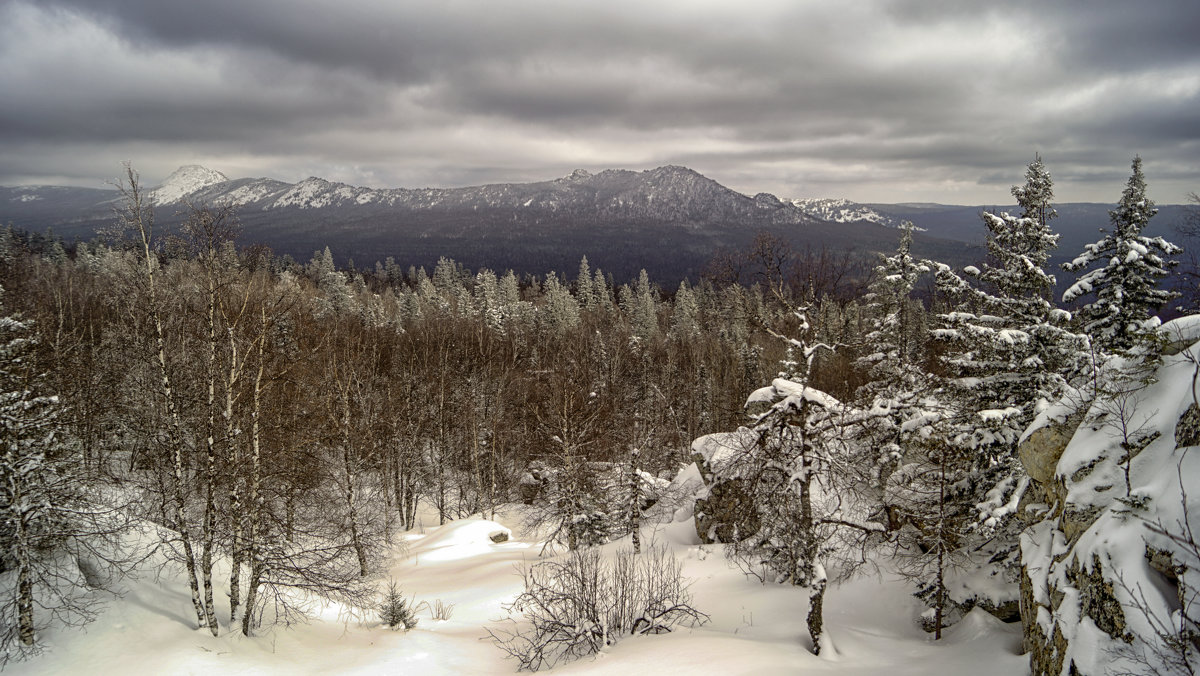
[879, 101]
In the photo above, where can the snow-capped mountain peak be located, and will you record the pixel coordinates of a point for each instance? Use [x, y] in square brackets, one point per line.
[841, 211]
[185, 181]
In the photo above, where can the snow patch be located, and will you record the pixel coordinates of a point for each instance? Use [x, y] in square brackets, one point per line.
[184, 181]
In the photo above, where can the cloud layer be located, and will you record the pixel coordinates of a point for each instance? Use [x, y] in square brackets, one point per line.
[917, 100]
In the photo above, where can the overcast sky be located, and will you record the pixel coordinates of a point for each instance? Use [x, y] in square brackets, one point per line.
[919, 100]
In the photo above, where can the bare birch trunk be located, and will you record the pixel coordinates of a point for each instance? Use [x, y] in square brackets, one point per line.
[208, 536]
[235, 492]
[139, 217]
[254, 492]
[355, 538]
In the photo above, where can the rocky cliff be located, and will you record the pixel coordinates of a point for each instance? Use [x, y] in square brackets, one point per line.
[1110, 568]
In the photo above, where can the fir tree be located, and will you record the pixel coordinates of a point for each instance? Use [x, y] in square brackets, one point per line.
[1036, 195]
[396, 611]
[1006, 352]
[561, 311]
[583, 286]
[683, 315]
[1009, 348]
[893, 354]
[1122, 273]
[643, 308]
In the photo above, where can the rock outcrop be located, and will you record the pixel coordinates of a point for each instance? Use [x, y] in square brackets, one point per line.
[1100, 574]
[724, 510]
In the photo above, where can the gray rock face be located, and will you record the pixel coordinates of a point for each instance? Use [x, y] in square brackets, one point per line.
[1086, 529]
[727, 514]
[1041, 451]
[1187, 430]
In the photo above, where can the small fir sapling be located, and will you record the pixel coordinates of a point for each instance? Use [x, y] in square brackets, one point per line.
[395, 610]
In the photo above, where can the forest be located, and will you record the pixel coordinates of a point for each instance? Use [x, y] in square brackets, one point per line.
[291, 418]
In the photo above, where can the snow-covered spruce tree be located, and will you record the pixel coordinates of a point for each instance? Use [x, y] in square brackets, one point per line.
[1036, 195]
[684, 322]
[561, 311]
[42, 505]
[335, 292]
[893, 353]
[915, 475]
[793, 471]
[1121, 272]
[1007, 351]
[643, 310]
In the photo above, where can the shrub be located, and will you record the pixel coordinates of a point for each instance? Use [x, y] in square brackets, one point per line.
[578, 606]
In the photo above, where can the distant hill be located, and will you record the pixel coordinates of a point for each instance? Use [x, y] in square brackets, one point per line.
[668, 220]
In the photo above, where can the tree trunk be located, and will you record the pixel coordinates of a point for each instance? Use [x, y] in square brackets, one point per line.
[254, 492]
[348, 465]
[816, 620]
[210, 484]
[24, 602]
[24, 575]
[138, 216]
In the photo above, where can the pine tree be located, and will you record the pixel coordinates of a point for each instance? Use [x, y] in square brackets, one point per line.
[561, 312]
[583, 286]
[1011, 348]
[396, 611]
[643, 308]
[487, 299]
[919, 475]
[1126, 272]
[335, 291]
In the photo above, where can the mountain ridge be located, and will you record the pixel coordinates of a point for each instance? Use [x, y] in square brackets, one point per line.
[669, 220]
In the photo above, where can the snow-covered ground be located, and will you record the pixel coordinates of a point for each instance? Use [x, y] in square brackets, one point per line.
[754, 628]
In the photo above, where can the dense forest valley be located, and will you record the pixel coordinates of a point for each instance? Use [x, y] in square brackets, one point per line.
[269, 434]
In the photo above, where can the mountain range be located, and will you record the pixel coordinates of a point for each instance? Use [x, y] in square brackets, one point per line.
[669, 220]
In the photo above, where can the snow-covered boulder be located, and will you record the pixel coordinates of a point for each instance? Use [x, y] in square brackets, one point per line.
[724, 510]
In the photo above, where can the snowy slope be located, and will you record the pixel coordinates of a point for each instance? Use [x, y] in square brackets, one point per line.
[755, 628]
[841, 211]
[183, 182]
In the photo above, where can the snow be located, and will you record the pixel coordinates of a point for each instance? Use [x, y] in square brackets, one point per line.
[789, 392]
[719, 448]
[1183, 331]
[311, 193]
[1093, 471]
[183, 182]
[754, 628]
[998, 414]
[841, 211]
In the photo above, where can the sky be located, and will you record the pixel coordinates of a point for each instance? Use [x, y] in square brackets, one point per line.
[904, 101]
